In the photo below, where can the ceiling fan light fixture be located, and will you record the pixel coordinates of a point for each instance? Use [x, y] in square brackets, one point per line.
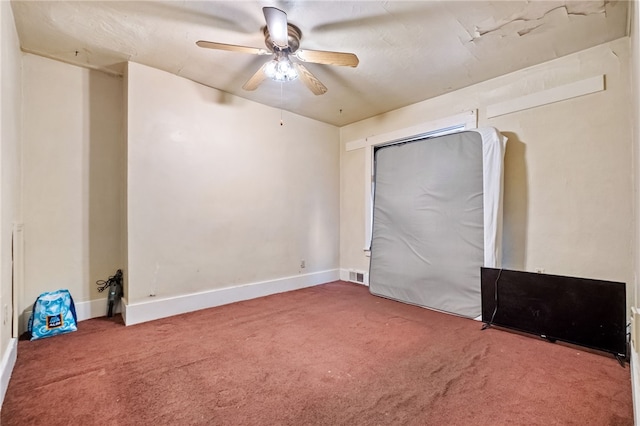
[282, 39]
[281, 69]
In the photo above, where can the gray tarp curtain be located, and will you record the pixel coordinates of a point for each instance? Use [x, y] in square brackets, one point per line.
[429, 220]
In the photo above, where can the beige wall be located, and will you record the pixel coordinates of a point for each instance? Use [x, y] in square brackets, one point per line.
[219, 194]
[634, 38]
[568, 167]
[10, 135]
[72, 162]
[252, 199]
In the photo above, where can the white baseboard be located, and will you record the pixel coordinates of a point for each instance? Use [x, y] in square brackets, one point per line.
[94, 309]
[123, 309]
[635, 384]
[135, 313]
[6, 367]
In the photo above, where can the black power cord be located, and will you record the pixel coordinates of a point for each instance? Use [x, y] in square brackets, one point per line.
[495, 298]
[114, 284]
[115, 279]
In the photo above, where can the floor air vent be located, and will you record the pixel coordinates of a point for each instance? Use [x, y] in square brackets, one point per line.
[356, 277]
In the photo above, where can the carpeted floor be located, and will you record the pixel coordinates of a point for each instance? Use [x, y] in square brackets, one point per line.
[327, 355]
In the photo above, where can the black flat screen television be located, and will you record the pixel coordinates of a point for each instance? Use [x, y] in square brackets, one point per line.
[586, 312]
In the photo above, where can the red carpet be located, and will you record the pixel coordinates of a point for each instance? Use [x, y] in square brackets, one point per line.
[327, 355]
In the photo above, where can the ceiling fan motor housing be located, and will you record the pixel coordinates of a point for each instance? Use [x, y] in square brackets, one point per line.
[294, 34]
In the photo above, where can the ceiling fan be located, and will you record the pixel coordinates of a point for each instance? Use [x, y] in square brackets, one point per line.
[283, 40]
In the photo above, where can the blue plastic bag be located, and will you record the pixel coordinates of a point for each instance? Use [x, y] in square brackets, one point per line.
[53, 313]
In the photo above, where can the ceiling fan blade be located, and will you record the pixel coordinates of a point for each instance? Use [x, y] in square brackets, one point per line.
[277, 26]
[310, 80]
[328, 58]
[256, 79]
[232, 48]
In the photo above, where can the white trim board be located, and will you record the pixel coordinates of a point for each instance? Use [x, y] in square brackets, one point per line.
[635, 384]
[18, 276]
[467, 119]
[135, 313]
[549, 96]
[6, 367]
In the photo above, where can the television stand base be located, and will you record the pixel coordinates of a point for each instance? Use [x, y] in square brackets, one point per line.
[551, 339]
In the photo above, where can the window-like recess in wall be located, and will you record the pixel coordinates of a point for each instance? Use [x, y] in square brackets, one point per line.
[445, 126]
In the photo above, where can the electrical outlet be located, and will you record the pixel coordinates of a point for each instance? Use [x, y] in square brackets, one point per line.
[302, 264]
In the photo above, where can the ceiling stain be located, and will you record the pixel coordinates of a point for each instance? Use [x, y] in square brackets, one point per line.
[533, 18]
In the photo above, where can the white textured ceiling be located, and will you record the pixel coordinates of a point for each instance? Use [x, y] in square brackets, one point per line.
[409, 51]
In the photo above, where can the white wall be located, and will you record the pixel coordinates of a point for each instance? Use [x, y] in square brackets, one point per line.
[568, 167]
[219, 194]
[10, 137]
[72, 178]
